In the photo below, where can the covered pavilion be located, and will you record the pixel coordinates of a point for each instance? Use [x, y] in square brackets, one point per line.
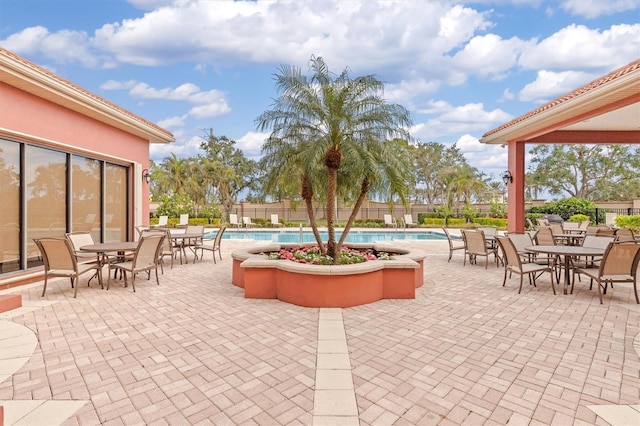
[604, 111]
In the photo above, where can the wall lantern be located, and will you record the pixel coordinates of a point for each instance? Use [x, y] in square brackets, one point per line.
[146, 176]
[507, 177]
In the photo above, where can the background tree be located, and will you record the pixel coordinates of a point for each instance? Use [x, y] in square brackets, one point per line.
[596, 172]
[227, 169]
[330, 122]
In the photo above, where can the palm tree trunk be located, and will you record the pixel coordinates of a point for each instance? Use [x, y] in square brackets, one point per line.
[307, 196]
[364, 189]
[331, 213]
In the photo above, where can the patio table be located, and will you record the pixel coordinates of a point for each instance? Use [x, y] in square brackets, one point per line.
[567, 252]
[102, 249]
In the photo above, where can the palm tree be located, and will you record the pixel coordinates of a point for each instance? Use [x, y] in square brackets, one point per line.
[340, 125]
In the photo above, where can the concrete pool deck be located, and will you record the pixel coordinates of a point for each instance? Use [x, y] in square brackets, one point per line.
[194, 351]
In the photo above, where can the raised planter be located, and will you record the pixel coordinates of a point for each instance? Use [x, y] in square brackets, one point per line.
[335, 286]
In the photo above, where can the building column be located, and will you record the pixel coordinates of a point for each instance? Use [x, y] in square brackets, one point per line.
[515, 190]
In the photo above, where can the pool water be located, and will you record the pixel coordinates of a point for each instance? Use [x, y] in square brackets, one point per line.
[354, 236]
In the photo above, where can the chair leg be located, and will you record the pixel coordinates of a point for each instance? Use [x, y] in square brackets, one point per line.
[75, 291]
[45, 285]
[504, 281]
[520, 289]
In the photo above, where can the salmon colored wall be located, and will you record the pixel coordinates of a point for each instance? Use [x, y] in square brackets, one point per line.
[27, 113]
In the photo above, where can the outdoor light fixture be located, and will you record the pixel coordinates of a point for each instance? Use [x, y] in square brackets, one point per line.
[146, 176]
[507, 177]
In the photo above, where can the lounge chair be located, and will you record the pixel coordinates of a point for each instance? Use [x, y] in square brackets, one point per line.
[246, 221]
[233, 220]
[162, 221]
[389, 221]
[408, 221]
[184, 220]
[274, 221]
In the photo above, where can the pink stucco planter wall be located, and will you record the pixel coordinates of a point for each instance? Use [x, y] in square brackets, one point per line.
[322, 286]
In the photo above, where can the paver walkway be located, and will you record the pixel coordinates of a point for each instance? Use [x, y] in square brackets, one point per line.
[194, 351]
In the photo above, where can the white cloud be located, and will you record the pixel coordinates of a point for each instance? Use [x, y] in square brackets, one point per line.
[61, 47]
[209, 104]
[469, 118]
[251, 144]
[595, 8]
[490, 158]
[577, 47]
[185, 146]
[172, 122]
[490, 55]
[549, 85]
[406, 90]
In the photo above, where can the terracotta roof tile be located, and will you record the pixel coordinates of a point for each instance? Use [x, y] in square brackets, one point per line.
[632, 66]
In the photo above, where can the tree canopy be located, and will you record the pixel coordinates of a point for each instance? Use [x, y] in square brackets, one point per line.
[337, 133]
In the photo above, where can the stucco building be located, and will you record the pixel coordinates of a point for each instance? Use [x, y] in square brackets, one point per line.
[69, 161]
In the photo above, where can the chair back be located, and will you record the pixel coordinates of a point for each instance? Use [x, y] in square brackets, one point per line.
[542, 222]
[584, 225]
[446, 232]
[195, 229]
[509, 250]
[531, 225]
[620, 259]
[488, 230]
[388, 220]
[79, 239]
[233, 219]
[147, 251]
[57, 254]
[274, 219]
[246, 220]
[184, 219]
[163, 220]
[544, 236]
[218, 238]
[597, 241]
[475, 241]
[624, 235]
[556, 228]
[166, 242]
[570, 226]
[520, 241]
[408, 219]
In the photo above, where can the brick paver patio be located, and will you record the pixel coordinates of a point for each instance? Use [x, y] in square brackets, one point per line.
[194, 351]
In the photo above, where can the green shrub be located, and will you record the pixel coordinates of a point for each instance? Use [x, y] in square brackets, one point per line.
[578, 218]
[439, 221]
[491, 221]
[568, 207]
[631, 222]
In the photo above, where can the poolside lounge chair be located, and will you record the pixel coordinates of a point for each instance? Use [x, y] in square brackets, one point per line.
[184, 220]
[163, 221]
[246, 220]
[274, 221]
[233, 220]
[389, 221]
[408, 221]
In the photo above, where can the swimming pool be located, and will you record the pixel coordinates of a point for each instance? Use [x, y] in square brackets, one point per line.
[355, 236]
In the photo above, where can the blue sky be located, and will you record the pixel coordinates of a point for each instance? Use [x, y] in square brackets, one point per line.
[462, 68]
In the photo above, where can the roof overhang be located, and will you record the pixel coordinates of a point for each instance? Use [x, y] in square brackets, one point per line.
[606, 110]
[24, 75]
